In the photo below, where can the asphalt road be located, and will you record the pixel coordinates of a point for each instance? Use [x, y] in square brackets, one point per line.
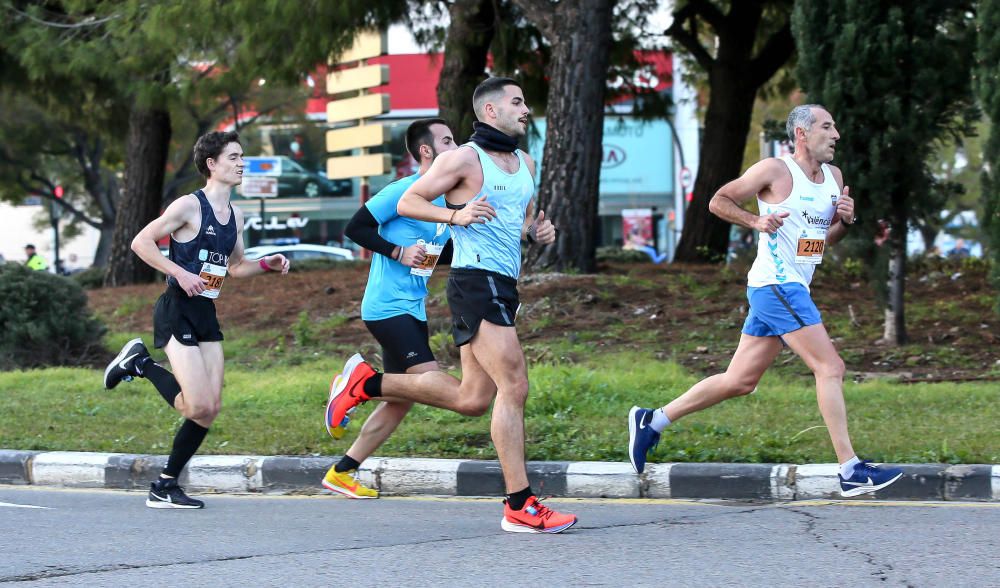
[109, 538]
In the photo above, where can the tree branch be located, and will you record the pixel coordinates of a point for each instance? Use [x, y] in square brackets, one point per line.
[541, 13]
[703, 9]
[690, 42]
[776, 51]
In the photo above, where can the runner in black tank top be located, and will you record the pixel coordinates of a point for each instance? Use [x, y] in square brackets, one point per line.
[206, 245]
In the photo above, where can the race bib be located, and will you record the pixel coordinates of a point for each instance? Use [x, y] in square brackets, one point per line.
[426, 267]
[812, 242]
[213, 276]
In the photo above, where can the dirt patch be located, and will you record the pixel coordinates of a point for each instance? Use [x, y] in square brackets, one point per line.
[691, 313]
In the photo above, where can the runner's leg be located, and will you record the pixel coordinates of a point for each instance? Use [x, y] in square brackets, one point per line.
[814, 346]
[752, 358]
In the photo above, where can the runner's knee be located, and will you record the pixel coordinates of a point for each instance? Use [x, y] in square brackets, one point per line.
[474, 407]
[741, 385]
[516, 390]
[831, 368]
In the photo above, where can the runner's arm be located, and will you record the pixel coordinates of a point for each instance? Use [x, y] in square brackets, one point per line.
[363, 230]
[447, 171]
[727, 202]
[179, 213]
[241, 267]
[845, 208]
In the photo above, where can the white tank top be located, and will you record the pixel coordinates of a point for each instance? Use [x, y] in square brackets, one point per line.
[792, 253]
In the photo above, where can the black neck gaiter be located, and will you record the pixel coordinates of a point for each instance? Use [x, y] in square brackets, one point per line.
[490, 138]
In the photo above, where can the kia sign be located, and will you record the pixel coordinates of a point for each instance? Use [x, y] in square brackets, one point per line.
[262, 166]
[636, 157]
[613, 156]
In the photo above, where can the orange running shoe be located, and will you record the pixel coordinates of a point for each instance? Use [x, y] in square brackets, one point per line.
[348, 391]
[535, 517]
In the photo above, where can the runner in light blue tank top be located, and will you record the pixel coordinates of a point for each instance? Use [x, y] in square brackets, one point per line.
[496, 246]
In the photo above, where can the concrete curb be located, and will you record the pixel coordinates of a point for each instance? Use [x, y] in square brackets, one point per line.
[454, 477]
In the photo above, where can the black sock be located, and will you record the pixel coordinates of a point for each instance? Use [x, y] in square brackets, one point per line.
[165, 382]
[346, 464]
[186, 442]
[373, 386]
[517, 499]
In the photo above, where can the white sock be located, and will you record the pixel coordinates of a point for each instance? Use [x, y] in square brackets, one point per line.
[847, 468]
[660, 421]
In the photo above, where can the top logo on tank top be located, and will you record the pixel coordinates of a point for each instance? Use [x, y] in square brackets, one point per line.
[210, 230]
[213, 257]
[833, 199]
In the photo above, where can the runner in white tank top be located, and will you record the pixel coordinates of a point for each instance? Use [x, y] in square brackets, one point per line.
[792, 253]
[804, 207]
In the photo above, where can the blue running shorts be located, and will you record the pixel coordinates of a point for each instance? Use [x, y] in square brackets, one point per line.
[779, 309]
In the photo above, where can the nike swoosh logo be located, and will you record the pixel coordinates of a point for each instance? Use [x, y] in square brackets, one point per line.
[868, 483]
[122, 363]
[642, 425]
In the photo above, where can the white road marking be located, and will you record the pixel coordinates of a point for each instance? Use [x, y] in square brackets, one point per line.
[12, 505]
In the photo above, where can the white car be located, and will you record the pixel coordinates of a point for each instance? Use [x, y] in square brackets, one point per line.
[300, 252]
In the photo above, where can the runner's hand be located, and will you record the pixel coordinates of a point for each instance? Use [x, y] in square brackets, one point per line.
[476, 211]
[192, 284]
[278, 263]
[772, 222]
[845, 207]
[413, 255]
[543, 229]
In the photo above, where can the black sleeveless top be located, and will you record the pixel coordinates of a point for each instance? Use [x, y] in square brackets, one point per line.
[213, 244]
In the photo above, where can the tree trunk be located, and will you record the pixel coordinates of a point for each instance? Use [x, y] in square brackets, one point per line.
[470, 34]
[894, 332]
[730, 109]
[146, 147]
[735, 73]
[580, 36]
[103, 252]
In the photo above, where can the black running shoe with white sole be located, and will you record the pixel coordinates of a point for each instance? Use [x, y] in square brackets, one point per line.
[122, 367]
[165, 493]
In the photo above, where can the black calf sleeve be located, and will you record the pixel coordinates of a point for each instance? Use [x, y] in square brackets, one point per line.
[165, 382]
[186, 443]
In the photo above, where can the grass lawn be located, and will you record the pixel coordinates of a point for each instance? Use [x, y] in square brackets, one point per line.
[576, 411]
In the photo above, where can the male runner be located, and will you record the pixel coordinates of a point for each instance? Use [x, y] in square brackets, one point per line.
[488, 185]
[804, 206]
[206, 243]
[393, 305]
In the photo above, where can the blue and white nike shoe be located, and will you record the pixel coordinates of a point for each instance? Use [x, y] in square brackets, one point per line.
[641, 437]
[868, 477]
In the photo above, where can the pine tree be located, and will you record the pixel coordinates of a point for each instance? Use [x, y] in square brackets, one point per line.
[988, 87]
[895, 75]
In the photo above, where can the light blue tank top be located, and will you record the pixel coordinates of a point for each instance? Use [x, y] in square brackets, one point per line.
[496, 245]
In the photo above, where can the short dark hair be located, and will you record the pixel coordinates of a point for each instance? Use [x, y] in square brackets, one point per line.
[29, 246]
[419, 133]
[487, 89]
[209, 146]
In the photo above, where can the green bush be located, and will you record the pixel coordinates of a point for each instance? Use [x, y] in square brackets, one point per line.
[619, 255]
[44, 320]
[91, 278]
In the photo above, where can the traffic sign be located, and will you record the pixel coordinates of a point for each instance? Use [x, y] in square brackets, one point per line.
[261, 166]
[357, 137]
[687, 178]
[259, 186]
[356, 78]
[374, 164]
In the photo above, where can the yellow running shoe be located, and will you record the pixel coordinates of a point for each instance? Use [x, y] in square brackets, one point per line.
[345, 483]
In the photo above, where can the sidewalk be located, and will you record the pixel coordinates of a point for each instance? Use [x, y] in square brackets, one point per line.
[454, 477]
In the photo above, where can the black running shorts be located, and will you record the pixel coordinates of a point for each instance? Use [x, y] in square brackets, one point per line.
[475, 296]
[189, 319]
[404, 341]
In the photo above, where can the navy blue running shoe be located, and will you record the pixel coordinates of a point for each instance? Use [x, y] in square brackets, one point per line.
[868, 477]
[641, 437]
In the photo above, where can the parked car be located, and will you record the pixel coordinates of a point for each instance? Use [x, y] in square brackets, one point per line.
[296, 180]
[301, 252]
